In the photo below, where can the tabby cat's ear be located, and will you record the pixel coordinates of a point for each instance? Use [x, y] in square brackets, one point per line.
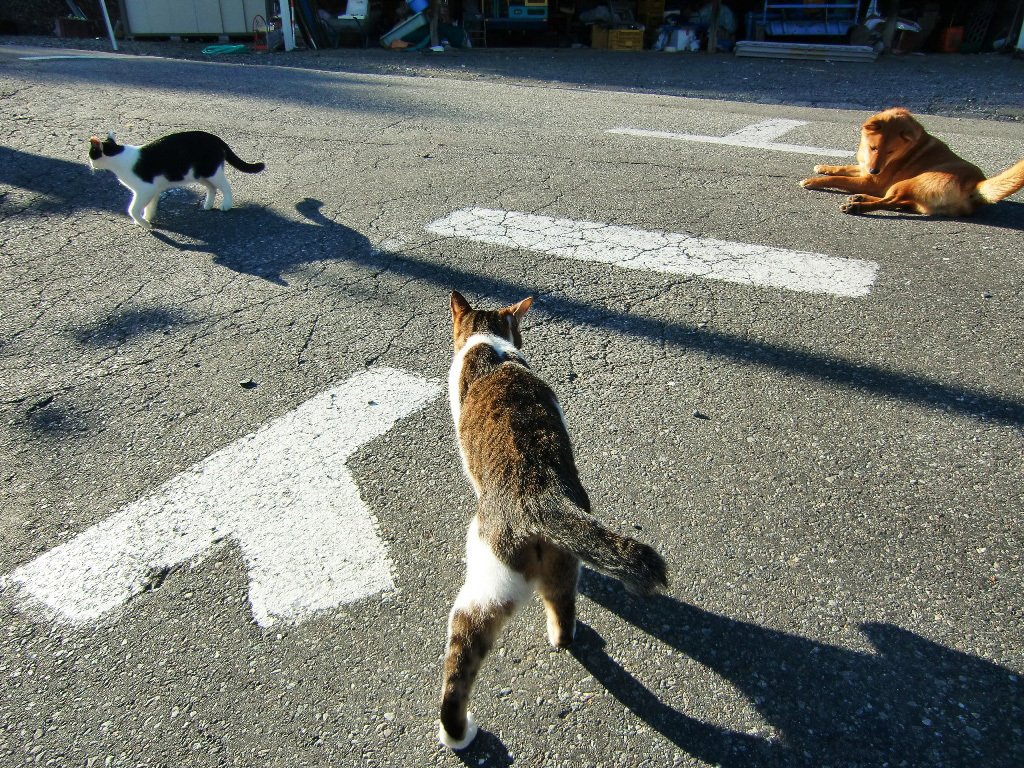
[518, 310]
[459, 305]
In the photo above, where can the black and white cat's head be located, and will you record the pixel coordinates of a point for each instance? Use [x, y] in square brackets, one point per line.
[503, 323]
[100, 152]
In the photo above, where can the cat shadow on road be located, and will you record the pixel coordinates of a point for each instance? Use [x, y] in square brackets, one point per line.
[912, 702]
[255, 240]
[486, 751]
[250, 239]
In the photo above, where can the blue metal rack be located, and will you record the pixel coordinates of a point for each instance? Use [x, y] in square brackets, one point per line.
[813, 18]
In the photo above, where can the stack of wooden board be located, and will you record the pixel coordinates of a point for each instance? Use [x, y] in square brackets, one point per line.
[820, 51]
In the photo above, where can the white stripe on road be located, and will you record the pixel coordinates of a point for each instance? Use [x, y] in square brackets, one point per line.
[662, 251]
[283, 494]
[758, 135]
[73, 56]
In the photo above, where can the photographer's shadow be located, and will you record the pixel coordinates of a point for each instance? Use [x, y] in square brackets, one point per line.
[256, 240]
[914, 702]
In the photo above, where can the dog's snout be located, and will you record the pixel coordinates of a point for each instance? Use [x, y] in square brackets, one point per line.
[874, 171]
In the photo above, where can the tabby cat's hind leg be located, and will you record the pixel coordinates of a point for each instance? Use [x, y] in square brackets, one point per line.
[472, 631]
[486, 601]
[559, 575]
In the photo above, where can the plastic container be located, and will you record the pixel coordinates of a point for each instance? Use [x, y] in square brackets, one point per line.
[951, 39]
[409, 25]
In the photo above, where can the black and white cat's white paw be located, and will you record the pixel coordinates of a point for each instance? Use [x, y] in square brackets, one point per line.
[449, 741]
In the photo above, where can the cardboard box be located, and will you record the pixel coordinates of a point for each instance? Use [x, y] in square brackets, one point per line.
[617, 39]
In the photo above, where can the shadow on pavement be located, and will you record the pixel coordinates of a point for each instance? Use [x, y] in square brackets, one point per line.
[261, 242]
[939, 81]
[486, 751]
[1006, 214]
[67, 186]
[302, 86]
[115, 329]
[284, 244]
[913, 702]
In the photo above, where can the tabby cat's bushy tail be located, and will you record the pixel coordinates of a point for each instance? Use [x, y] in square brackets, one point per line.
[640, 569]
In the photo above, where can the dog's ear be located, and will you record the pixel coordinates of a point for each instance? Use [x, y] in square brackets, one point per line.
[911, 131]
[908, 129]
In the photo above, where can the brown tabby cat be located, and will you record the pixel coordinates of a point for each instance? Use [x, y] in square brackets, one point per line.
[532, 524]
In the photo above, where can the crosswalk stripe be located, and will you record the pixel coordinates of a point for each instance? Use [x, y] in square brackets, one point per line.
[665, 252]
[283, 494]
[760, 135]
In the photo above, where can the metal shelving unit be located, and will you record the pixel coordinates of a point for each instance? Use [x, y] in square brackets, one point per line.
[809, 19]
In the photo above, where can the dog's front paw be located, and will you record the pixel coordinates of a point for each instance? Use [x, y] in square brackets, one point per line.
[820, 168]
[807, 183]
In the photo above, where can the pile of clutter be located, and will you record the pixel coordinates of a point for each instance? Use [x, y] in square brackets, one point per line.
[687, 30]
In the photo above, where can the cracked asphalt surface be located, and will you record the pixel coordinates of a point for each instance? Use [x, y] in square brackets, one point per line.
[835, 481]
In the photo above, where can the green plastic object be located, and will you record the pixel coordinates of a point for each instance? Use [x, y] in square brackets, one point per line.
[216, 49]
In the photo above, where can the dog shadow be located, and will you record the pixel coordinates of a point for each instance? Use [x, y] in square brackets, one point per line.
[912, 702]
[1006, 214]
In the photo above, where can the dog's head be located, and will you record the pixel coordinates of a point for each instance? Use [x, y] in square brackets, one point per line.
[886, 136]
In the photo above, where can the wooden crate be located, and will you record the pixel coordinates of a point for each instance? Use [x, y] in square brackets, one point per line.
[77, 28]
[617, 39]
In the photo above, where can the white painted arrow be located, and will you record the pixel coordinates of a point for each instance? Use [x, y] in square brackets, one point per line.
[282, 493]
[758, 135]
[632, 248]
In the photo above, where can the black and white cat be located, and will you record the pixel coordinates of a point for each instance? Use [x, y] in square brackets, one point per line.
[176, 160]
[532, 524]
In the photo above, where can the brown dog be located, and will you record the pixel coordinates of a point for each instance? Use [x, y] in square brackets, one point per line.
[903, 168]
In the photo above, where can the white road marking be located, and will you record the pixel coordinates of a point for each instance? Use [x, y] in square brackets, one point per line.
[758, 135]
[72, 56]
[666, 252]
[282, 493]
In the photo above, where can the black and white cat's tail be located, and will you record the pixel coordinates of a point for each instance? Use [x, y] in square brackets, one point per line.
[240, 164]
[641, 570]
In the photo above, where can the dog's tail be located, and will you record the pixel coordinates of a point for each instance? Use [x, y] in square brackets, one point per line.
[1002, 185]
[240, 164]
[640, 569]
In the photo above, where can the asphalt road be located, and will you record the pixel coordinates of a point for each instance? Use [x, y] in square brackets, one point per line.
[835, 480]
